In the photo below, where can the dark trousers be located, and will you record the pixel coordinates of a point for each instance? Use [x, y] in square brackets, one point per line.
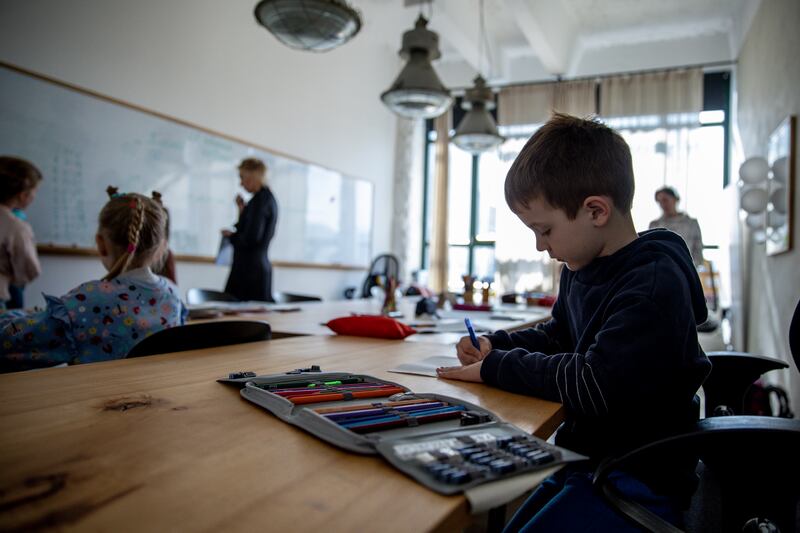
[567, 501]
[16, 301]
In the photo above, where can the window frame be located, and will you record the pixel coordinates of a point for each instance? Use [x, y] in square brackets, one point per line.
[716, 96]
[474, 243]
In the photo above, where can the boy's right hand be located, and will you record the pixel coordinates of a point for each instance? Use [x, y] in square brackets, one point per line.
[467, 353]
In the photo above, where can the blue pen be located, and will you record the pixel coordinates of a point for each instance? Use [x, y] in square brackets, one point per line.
[472, 336]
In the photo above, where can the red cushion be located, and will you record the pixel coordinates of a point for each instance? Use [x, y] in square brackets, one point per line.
[378, 326]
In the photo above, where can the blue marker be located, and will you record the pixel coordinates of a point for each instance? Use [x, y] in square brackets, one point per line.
[472, 336]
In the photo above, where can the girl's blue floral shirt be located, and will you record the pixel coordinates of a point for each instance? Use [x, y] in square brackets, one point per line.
[96, 321]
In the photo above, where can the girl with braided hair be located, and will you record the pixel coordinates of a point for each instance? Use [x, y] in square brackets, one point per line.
[102, 319]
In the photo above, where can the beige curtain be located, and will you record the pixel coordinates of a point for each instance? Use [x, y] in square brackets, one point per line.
[655, 93]
[535, 104]
[575, 98]
[524, 104]
[438, 273]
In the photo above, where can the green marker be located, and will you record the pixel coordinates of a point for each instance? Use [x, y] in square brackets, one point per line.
[307, 384]
[311, 385]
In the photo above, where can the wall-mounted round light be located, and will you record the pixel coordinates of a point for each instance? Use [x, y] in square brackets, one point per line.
[315, 25]
[418, 92]
[754, 200]
[755, 220]
[754, 170]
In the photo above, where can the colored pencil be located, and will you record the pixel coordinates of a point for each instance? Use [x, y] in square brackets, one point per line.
[381, 411]
[387, 417]
[343, 408]
[331, 387]
[306, 383]
[334, 390]
[375, 425]
[332, 397]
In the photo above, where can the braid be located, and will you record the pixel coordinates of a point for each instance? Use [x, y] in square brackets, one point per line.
[134, 229]
[134, 226]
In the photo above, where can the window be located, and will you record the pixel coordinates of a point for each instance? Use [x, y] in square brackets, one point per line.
[475, 187]
[487, 240]
[476, 209]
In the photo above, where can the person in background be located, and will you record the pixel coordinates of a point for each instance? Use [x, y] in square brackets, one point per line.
[620, 351]
[19, 262]
[167, 266]
[251, 272]
[681, 223]
[102, 319]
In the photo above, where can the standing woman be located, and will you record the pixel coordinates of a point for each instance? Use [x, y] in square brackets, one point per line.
[251, 272]
[681, 223]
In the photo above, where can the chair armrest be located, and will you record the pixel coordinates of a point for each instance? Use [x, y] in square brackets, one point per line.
[732, 373]
[771, 362]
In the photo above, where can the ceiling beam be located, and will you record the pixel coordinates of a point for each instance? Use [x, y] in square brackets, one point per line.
[457, 23]
[645, 34]
[453, 33]
[741, 25]
[549, 29]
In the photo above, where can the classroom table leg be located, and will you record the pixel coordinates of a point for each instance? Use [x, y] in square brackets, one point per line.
[497, 519]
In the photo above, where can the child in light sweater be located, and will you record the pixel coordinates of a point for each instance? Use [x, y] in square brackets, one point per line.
[19, 263]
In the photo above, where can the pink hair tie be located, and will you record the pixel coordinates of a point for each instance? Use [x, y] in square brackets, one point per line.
[131, 248]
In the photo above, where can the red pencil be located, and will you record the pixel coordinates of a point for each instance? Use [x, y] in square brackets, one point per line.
[292, 394]
[313, 398]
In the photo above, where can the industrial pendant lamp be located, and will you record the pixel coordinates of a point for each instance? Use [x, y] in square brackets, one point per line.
[314, 25]
[477, 131]
[418, 92]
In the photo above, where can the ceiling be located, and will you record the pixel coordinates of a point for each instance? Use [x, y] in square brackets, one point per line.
[535, 40]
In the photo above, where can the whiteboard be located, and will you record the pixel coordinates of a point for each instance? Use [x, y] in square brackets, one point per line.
[83, 142]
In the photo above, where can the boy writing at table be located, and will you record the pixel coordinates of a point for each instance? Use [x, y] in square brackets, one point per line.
[620, 351]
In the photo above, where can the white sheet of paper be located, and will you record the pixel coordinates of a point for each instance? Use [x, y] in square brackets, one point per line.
[426, 367]
[225, 253]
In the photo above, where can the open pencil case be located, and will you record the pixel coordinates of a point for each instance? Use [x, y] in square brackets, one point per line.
[445, 443]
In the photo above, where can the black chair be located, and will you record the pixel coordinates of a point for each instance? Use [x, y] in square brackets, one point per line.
[732, 374]
[291, 297]
[384, 266]
[203, 335]
[749, 465]
[201, 296]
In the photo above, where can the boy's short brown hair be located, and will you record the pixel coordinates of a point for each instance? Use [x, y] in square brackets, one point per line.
[569, 159]
[16, 176]
[251, 163]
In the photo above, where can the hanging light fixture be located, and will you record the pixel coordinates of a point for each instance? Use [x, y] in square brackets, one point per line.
[315, 25]
[418, 92]
[477, 131]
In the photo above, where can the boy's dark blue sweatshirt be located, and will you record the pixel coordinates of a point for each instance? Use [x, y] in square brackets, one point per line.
[620, 351]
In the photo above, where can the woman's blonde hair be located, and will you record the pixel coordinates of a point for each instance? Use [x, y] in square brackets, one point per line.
[135, 224]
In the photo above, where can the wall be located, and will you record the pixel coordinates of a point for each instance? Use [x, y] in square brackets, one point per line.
[768, 85]
[209, 63]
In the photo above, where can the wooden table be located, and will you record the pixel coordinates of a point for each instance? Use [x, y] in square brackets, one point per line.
[155, 444]
[312, 316]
